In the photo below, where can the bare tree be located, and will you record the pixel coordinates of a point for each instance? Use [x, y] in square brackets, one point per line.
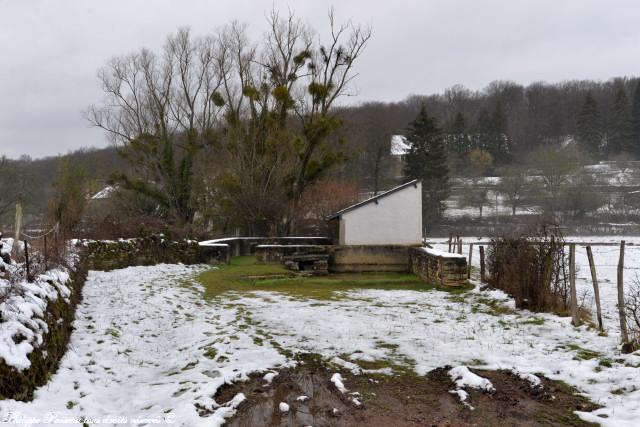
[280, 97]
[514, 187]
[554, 166]
[161, 109]
[328, 77]
[268, 106]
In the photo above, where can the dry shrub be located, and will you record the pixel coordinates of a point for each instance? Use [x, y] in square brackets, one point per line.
[632, 312]
[532, 268]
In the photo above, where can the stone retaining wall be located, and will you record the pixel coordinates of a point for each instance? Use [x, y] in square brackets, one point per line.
[438, 267]
[369, 258]
[45, 358]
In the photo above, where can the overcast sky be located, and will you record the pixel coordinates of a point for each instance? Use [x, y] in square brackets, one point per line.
[51, 49]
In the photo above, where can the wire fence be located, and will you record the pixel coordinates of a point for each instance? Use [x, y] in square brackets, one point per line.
[33, 253]
[618, 284]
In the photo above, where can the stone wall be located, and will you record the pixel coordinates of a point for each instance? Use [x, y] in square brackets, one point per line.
[45, 358]
[369, 258]
[110, 255]
[438, 267]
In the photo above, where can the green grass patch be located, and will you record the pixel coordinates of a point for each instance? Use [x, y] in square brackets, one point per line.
[244, 275]
[582, 353]
[113, 332]
[210, 353]
[534, 321]
[406, 368]
[494, 307]
[606, 363]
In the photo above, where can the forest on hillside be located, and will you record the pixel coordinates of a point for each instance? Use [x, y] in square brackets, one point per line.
[507, 120]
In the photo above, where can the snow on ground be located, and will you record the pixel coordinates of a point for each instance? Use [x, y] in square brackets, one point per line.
[463, 377]
[431, 329]
[606, 261]
[147, 345]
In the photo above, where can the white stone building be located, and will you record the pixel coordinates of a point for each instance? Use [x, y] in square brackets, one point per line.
[390, 218]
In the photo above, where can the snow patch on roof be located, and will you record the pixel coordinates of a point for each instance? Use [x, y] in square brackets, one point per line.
[399, 145]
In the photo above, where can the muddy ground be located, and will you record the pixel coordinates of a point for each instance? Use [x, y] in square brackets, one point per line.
[403, 399]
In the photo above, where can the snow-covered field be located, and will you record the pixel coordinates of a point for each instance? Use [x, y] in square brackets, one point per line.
[148, 345]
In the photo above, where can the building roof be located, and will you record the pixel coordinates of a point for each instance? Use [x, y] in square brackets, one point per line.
[399, 145]
[373, 199]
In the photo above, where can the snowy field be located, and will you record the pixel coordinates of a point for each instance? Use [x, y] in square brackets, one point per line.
[149, 347]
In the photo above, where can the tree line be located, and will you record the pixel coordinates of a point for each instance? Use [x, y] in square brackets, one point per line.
[505, 119]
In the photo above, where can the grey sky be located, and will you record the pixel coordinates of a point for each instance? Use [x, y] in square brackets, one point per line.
[51, 49]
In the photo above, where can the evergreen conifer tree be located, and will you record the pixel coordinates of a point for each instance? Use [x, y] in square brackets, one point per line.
[458, 143]
[635, 113]
[621, 135]
[491, 134]
[588, 131]
[427, 160]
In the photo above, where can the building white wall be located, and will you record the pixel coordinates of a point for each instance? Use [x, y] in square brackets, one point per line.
[395, 220]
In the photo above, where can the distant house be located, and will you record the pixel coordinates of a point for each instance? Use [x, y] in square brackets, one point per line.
[399, 148]
[390, 218]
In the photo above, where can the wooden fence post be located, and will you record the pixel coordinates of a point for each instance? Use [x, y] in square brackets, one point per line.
[623, 321]
[450, 240]
[470, 256]
[46, 257]
[482, 264]
[575, 320]
[596, 289]
[26, 260]
[18, 228]
[460, 247]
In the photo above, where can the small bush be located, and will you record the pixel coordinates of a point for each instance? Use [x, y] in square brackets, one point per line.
[532, 268]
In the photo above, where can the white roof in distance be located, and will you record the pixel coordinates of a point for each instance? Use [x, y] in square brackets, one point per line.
[399, 145]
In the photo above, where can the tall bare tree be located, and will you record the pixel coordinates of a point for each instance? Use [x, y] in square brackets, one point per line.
[161, 110]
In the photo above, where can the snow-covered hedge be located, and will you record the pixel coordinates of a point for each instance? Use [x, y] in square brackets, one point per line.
[35, 326]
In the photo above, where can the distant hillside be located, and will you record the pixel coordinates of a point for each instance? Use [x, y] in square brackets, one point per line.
[34, 178]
